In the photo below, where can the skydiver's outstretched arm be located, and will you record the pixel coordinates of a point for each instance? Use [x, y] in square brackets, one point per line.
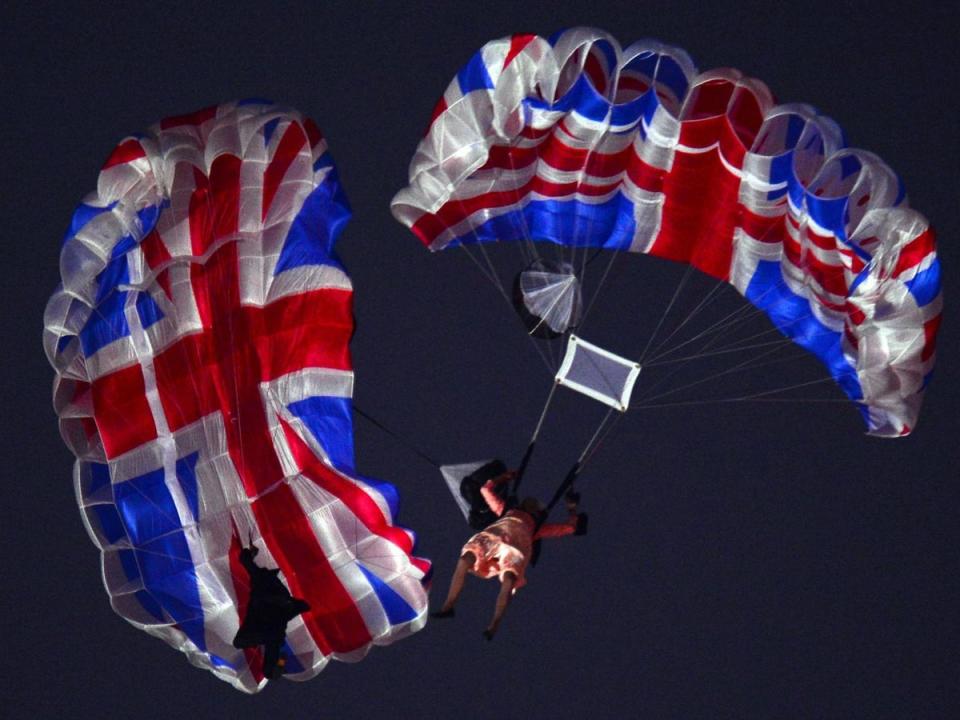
[490, 496]
[575, 524]
[247, 556]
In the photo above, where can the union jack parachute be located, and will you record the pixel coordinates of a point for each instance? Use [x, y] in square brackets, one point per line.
[585, 144]
[203, 380]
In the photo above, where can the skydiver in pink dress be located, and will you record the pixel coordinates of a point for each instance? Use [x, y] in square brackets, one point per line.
[503, 549]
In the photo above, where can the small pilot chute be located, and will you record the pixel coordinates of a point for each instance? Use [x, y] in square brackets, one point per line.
[548, 299]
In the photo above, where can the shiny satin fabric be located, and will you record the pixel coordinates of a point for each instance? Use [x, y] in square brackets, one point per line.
[200, 339]
[578, 141]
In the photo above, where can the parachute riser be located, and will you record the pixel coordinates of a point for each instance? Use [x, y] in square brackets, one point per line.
[521, 469]
[585, 455]
[567, 484]
[588, 451]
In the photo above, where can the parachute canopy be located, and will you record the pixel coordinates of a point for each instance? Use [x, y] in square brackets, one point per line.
[203, 380]
[582, 143]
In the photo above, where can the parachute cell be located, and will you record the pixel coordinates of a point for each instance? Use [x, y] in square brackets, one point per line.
[203, 380]
[579, 142]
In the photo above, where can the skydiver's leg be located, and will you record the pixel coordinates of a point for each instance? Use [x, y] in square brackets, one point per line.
[271, 654]
[456, 584]
[503, 600]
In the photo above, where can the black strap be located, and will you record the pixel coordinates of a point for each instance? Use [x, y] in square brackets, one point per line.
[565, 485]
[521, 469]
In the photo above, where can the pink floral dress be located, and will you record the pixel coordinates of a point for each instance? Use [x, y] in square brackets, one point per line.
[505, 545]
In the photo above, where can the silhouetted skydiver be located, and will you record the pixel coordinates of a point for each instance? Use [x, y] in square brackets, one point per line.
[270, 608]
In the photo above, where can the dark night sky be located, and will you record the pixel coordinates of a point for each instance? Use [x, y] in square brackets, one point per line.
[753, 560]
